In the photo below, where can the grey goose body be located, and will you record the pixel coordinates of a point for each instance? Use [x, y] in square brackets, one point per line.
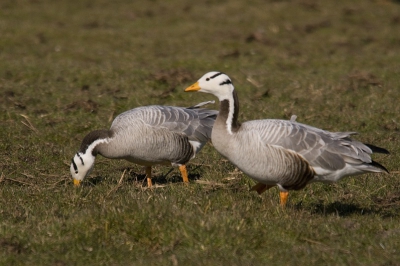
[148, 136]
[282, 153]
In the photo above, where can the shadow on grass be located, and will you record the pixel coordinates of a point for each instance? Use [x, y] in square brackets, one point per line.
[93, 181]
[134, 177]
[340, 209]
[11, 245]
[346, 209]
[160, 179]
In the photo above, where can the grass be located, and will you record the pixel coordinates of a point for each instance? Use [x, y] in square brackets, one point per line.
[69, 67]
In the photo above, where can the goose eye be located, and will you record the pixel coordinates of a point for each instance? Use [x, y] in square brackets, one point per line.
[207, 79]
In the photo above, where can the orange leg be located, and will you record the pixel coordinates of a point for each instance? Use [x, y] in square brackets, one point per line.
[284, 197]
[260, 188]
[184, 173]
[148, 176]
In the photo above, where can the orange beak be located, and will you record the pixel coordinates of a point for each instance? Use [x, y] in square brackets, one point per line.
[194, 87]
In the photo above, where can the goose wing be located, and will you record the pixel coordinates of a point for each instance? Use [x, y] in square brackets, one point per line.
[194, 122]
[328, 150]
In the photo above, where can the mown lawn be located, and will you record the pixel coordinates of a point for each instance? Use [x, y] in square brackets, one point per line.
[69, 67]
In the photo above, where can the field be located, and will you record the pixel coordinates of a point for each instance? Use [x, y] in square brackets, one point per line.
[69, 67]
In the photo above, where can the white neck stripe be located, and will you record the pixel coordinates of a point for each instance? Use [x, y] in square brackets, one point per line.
[95, 143]
[230, 115]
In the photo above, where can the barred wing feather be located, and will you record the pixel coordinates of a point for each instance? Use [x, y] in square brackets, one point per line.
[196, 123]
[328, 150]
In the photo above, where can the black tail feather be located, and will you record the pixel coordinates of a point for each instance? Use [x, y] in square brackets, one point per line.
[378, 165]
[377, 149]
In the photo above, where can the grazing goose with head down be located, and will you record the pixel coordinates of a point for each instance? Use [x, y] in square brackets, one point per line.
[147, 136]
[282, 153]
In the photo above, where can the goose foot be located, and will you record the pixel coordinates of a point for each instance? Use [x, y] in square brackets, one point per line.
[184, 173]
[284, 197]
[148, 176]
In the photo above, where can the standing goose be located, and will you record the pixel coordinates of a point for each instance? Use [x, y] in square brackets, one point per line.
[147, 136]
[282, 153]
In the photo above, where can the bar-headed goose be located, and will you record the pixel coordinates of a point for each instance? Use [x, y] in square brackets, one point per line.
[282, 153]
[147, 136]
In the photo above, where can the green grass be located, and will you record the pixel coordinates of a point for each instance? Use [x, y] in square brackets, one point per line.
[69, 67]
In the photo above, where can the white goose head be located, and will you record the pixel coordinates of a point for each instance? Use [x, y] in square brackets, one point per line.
[81, 166]
[83, 161]
[220, 85]
[216, 83]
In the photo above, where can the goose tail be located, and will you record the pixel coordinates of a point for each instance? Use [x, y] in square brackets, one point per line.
[377, 149]
[379, 166]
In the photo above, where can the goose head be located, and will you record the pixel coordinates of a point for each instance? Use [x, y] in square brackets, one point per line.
[216, 83]
[83, 161]
[81, 166]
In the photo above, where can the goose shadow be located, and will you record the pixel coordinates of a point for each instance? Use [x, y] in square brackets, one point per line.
[339, 208]
[346, 210]
[93, 181]
[172, 176]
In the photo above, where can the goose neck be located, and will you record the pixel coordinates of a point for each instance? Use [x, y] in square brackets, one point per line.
[91, 143]
[229, 112]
